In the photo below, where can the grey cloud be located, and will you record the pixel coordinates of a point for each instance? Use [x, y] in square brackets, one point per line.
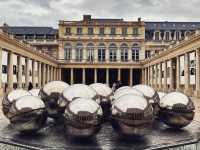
[48, 12]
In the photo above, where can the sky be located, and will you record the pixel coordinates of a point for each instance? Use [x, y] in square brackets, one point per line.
[49, 12]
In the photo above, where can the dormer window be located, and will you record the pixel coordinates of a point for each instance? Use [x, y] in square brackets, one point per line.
[90, 31]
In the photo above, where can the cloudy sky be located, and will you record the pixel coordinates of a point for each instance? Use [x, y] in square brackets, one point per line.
[48, 12]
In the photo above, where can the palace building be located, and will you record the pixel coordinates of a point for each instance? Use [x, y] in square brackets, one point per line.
[107, 50]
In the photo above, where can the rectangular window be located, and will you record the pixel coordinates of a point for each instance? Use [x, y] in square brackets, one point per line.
[90, 31]
[23, 70]
[101, 55]
[124, 31]
[101, 31]
[113, 31]
[14, 69]
[147, 53]
[4, 69]
[135, 31]
[79, 31]
[68, 31]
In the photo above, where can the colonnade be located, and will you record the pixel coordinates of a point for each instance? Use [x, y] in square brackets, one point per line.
[170, 78]
[45, 72]
[130, 75]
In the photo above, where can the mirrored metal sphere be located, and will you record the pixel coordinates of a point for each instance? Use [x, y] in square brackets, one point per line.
[123, 88]
[176, 110]
[161, 94]
[83, 117]
[104, 93]
[125, 91]
[151, 95]
[79, 90]
[10, 98]
[28, 114]
[51, 94]
[132, 115]
[34, 92]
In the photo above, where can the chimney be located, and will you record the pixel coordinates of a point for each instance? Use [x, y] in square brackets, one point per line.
[139, 19]
[86, 17]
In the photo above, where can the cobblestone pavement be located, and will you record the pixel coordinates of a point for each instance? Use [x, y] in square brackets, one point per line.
[195, 100]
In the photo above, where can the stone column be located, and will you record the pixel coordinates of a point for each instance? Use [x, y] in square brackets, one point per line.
[118, 55]
[47, 66]
[119, 75]
[145, 76]
[165, 76]
[160, 77]
[107, 76]
[43, 74]
[107, 56]
[83, 75]
[55, 74]
[95, 54]
[10, 71]
[19, 73]
[186, 73]
[197, 91]
[95, 75]
[33, 74]
[52, 73]
[84, 54]
[131, 77]
[171, 85]
[27, 72]
[1, 88]
[73, 54]
[72, 76]
[39, 74]
[151, 76]
[60, 74]
[148, 70]
[177, 73]
[156, 76]
[130, 55]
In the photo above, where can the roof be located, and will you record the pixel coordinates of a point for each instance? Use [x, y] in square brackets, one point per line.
[172, 25]
[31, 30]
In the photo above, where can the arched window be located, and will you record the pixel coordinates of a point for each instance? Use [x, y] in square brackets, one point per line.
[67, 51]
[113, 52]
[124, 52]
[135, 52]
[79, 52]
[101, 52]
[90, 52]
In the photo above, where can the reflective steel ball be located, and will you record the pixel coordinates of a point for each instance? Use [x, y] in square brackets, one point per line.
[151, 95]
[161, 94]
[28, 114]
[104, 93]
[10, 98]
[83, 118]
[132, 115]
[34, 92]
[51, 94]
[176, 110]
[126, 90]
[77, 91]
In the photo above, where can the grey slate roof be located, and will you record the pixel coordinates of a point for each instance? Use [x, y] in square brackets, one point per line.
[31, 30]
[172, 25]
